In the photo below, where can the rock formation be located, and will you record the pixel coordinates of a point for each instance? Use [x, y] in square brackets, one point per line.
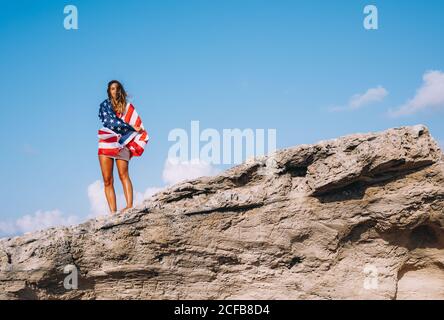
[359, 217]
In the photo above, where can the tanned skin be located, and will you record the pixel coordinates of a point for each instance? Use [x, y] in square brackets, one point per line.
[107, 166]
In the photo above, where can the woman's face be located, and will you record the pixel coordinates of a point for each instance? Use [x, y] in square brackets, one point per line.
[113, 90]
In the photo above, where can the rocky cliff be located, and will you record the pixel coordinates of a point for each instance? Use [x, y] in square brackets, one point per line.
[359, 217]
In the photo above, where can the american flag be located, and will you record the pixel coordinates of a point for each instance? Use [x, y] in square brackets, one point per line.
[118, 132]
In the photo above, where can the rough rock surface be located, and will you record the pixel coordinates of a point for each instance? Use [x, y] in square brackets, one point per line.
[359, 217]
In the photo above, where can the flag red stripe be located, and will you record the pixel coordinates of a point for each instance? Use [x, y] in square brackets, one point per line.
[138, 122]
[129, 114]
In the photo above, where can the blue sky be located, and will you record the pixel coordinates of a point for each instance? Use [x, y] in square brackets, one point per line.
[226, 63]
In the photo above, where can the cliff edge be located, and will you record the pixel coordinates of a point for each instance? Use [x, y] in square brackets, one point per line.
[358, 217]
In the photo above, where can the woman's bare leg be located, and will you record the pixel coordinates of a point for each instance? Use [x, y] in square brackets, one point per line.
[107, 165]
[122, 167]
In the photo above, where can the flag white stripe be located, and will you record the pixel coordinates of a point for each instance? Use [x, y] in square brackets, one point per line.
[134, 117]
[109, 145]
[106, 136]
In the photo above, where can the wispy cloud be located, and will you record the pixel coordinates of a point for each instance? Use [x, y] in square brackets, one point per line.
[37, 221]
[97, 200]
[29, 149]
[99, 205]
[429, 95]
[174, 171]
[358, 101]
[441, 145]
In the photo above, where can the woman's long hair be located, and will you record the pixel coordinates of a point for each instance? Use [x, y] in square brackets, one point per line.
[119, 103]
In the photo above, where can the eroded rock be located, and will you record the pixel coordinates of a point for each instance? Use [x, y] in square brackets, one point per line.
[359, 217]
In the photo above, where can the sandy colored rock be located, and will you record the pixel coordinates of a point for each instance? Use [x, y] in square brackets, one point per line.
[358, 217]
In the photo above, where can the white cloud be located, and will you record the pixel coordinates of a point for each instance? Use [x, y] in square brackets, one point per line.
[175, 171]
[37, 221]
[429, 95]
[357, 101]
[148, 193]
[97, 200]
[372, 95]
[46, 219]
[99, 205]
[29, 149]
[7, 228]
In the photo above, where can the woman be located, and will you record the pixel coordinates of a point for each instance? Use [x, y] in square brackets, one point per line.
[122, 137]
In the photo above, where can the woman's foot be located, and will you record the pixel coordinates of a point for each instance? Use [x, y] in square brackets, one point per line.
[125, 209]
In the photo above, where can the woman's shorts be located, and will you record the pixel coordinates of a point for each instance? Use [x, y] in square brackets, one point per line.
[124, 154]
